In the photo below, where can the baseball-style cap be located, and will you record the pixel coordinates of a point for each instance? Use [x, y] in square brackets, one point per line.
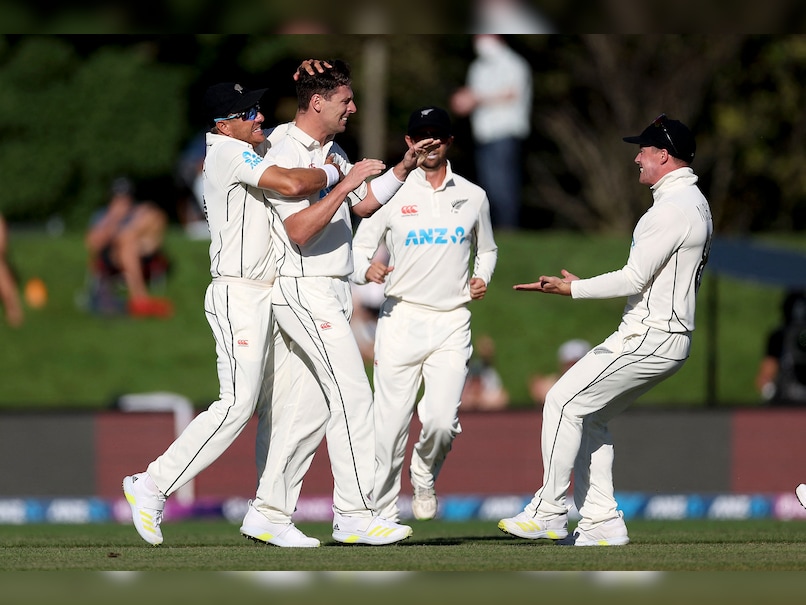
[430, 117]
[227, 98]
[672, 135]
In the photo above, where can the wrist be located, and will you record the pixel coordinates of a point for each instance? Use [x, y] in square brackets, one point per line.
[332, 173]
[385, 186]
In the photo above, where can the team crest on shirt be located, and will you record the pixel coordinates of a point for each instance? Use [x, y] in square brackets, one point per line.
[251, 158]
[456, 205]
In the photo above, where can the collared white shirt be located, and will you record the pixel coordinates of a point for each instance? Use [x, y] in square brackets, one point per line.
[237, 210]
[669, 249]
[328, 254]
[430, 234]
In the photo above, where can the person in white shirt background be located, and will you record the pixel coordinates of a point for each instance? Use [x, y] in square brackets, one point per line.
[431, 227]
[498, 99]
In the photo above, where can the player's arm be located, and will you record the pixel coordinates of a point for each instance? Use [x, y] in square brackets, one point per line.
[550, 284]
[302, 226]
[385, 186]
[298, 182]
[486, 256]
[366, 241]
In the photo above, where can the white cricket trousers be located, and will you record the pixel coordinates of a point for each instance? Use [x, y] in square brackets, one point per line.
[575, 437]
[240, 316]
[415, 346]
[314, 312]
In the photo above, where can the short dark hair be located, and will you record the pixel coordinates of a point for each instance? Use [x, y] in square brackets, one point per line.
[322, 84]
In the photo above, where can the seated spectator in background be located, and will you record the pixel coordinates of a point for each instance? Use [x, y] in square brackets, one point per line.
[484, 391]
[567, 355]
[9, 289]
[126, 238]
[781, 377]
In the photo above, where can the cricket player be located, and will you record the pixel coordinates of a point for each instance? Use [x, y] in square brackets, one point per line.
[669, 250]
[237, 304]
[432, 227]
[312, 303]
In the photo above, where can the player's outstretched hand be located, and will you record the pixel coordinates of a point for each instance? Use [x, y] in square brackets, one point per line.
[361, 171]
[417, 153]
[550, 284]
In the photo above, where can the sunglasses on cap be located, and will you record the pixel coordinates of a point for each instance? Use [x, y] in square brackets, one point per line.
[660, 122]
[247, 115]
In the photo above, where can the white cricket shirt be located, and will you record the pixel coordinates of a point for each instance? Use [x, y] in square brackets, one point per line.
[237, 211]
[329, 254]
[430, 234]
[669, 249]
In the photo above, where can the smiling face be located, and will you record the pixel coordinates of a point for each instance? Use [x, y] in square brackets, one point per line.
[653, 163]
[335, 110]
[249, 131]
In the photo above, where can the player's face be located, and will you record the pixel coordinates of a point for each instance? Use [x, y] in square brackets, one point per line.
[650, 162]
[437, 156]
[337, 109]
[249, 131]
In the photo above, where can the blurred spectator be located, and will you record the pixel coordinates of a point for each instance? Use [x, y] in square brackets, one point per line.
[484, 390]
[781, 377]
[9, 288]
[508, 17]
[567, 355]
[498, 99]
[190, 208]
[125, 240]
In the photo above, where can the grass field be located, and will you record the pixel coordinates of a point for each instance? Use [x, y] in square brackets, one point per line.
[687, 545]
[737, 562]
[65, 358]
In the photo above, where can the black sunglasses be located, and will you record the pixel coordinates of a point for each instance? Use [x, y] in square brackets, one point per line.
[249, 114]
[660, 122]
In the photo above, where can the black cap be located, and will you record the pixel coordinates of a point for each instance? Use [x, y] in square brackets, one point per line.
[434, 118]
[227, 98]
[672, 135]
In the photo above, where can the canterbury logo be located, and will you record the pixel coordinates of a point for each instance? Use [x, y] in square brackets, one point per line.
[243, 342]
[325, 325]
[409, 209]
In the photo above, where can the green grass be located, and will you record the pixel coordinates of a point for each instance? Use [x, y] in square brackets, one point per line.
[691, 545]
[63, 357]
[207, 562]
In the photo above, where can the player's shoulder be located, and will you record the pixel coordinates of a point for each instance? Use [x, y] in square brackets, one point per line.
[461, 182]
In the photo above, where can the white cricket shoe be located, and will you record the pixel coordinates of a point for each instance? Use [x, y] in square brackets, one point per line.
[375, 531]
[612, 532]
[424, 503]
[258, 528]
[526, 525]
[800, 492]
[147, 506]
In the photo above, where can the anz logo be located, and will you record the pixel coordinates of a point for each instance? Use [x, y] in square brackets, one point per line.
[251, 158]
[435, 236]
